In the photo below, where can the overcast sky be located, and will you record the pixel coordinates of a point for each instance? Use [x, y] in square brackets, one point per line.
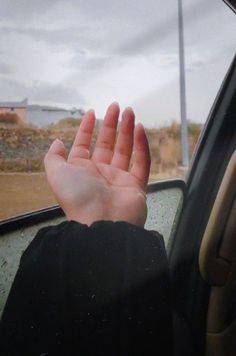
[88, 53]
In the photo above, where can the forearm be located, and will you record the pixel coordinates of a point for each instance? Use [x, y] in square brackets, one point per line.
[103, 287]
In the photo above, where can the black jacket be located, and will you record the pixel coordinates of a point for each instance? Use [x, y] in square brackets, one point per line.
[99, 290]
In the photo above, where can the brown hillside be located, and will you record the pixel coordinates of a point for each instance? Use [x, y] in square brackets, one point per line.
[22, 148]
[10, 119]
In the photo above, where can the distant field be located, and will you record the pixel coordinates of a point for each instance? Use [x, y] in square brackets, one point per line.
[20, 193]
[23, 185]
[24, 192]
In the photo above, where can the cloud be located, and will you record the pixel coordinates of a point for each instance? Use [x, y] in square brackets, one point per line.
[5, 68]
[20, 10]
[55, 93]
[112, 28]
[11, 90]
[160, 31]
[107, 49]
[41, 92]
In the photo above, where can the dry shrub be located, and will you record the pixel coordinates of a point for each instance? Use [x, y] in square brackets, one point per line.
[22, 149]
[33, 164]
[65, 124]
[174, 130]
[10, 119]
[165, 148]
[169, 153]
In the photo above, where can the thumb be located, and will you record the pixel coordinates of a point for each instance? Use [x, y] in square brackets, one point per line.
[55, 156]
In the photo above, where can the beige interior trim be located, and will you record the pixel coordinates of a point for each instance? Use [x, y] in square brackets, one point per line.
[217, 263]
[223, 343]
[213, 267]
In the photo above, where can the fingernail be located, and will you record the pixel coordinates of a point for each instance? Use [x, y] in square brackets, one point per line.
[90, 111]
[57, 141]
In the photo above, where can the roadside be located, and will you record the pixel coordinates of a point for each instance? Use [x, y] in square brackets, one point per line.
[22, 192]
[25, 192]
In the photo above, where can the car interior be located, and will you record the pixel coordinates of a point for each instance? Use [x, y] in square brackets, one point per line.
[202, 253]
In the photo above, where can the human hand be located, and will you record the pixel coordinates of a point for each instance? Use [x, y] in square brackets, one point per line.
[103, 186]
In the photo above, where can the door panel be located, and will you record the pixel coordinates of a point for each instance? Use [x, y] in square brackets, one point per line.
[190, 291]
[217, 261]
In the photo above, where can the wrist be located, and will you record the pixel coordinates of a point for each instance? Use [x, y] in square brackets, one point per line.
[110, 208]
[129, 217]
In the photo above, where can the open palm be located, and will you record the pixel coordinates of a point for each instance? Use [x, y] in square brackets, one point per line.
[104, 186]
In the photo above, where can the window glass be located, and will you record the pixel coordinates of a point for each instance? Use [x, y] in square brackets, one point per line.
[72, 56]
[164, 207]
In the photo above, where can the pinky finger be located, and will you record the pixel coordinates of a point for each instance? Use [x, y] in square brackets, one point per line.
[141, 157]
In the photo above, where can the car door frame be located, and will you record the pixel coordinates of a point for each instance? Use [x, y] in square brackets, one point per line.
[190, 292]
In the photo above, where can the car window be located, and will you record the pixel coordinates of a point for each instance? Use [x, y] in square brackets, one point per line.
[69, 57]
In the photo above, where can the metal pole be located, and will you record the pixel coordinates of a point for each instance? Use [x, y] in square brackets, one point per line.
[184, 128]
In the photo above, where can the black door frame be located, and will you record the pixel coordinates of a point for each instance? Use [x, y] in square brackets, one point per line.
[190, 293]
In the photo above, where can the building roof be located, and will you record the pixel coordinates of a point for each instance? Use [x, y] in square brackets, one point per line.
[14, 104]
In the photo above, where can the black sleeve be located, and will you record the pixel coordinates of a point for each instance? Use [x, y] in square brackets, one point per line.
[99, 290]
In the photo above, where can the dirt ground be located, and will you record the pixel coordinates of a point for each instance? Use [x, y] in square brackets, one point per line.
[22, 192]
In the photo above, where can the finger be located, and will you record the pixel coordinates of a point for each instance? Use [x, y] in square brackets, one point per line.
[107, 135]
[55, 156]
[124, 143]
[141, 156]
[80, 147]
